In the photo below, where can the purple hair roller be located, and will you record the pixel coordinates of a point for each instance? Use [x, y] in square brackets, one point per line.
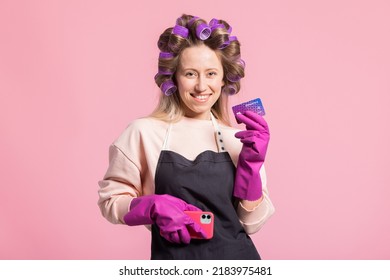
[192, 21]
[227, 43]
[213, 22]
[233, 78]
[232, 38]
[224, 44]
[203, 31]
[215, 26]
[168, 87]
[229, 30]
[229, 89]
[180, 30]
[166, 55]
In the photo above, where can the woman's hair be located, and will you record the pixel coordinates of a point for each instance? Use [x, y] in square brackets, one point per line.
[192, 31]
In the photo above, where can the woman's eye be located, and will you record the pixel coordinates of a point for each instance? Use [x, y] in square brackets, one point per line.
[212, 74]
[190, 74]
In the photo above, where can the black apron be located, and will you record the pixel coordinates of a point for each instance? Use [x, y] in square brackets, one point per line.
[207, 183]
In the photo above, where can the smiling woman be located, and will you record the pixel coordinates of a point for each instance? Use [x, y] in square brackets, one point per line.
[175, 41]
[185, 156]
[200, 80]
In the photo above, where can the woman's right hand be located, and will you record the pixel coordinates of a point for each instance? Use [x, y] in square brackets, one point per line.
[167, 212]
[255, 138]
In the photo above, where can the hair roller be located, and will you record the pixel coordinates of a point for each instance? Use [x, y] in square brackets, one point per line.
[229, 89]
[232, 38]
[233, 77]
[215, 26]
[224, 24]
[213, 22]
[176, 41]
[236, 71]
[203, 31]
[166, 55]
[168, 87]
[224, 44]
[227, 26]
[192, 20]
[227, 42]
[180, 31]
[229, 30]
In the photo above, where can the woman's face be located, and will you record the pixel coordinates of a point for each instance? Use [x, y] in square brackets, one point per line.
[199, 79]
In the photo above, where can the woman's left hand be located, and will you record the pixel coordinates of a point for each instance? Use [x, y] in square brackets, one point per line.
[255, 140]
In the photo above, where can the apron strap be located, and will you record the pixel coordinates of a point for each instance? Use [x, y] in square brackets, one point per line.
[165, 145]
[217, 134]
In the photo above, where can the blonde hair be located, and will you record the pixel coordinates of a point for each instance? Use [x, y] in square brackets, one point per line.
[170, 108]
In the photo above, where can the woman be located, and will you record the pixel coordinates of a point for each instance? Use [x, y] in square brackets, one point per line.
[186, 157]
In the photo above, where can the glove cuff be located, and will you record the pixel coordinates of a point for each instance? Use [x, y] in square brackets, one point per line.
[248, 188]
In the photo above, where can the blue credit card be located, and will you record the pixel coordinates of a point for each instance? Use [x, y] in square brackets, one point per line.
[254, 105]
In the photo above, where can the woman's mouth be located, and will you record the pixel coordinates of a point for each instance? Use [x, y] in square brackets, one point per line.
[201, 97]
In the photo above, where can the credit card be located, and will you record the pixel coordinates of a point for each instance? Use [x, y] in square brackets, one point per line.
[254, 105]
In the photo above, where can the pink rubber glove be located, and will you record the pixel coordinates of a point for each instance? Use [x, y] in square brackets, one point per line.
[255, 140]
[168, 213]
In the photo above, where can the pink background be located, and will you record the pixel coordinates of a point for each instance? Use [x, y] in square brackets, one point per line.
[74, 73]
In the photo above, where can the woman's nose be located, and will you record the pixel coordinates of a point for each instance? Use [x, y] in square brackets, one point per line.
[201, 84]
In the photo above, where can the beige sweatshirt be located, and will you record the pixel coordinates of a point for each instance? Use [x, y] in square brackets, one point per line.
[133, 159]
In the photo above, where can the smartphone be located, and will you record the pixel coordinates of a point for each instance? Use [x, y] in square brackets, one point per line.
[254, 105]
[205, 220]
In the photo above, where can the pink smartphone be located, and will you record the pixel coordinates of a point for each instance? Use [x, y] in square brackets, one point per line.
[205, 220]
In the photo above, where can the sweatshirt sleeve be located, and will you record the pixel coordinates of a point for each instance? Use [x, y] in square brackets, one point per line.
[120, 184]
[253, 220]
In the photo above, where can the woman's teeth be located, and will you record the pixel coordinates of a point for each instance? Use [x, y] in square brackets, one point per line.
[200, 97]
